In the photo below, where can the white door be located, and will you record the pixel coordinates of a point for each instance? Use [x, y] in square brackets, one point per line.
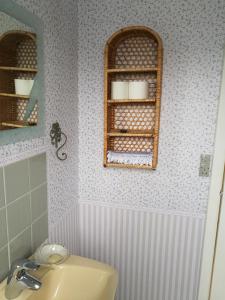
[218, 274]
[212, 281]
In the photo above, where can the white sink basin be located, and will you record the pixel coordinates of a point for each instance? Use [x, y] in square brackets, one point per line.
[77, 278]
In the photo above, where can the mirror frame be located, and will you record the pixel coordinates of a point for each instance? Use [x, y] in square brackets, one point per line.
[23, 15]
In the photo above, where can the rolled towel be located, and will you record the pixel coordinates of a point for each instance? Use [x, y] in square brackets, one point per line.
[129, 158]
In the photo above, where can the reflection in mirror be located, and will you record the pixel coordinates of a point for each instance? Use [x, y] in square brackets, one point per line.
[18, 73]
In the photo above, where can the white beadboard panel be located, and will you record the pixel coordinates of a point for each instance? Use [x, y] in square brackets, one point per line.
[157, 254]
[66, 232]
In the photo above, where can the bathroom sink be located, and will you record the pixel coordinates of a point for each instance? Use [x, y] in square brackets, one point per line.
[77, 278]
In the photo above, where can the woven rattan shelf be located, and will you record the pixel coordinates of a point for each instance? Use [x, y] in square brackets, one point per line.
[140, 133]
[132, 125]
[17, 124]
[128, 70]
[129, 101]
[129, 166]
[18, 60]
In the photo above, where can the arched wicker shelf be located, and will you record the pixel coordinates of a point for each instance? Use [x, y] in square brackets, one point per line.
[132, 126]
[18, 59]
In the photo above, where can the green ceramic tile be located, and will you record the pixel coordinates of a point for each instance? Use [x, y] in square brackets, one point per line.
[4, 263]
[40, 231]
[16, 180]
[20, 246]
[3, 228]
[39, 201]
[2, 194]
[38, 170]
[19, 216]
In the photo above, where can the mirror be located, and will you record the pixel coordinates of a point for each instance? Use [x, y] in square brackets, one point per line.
[21, 74]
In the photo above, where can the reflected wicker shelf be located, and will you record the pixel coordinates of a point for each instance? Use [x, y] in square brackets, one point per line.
[15, 124]
[18, 60]
[15, 96]
[18, 69]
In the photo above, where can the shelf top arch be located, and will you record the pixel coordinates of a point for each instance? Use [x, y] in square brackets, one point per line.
[16, 35]
[137, 47]
[16, 44]
[126, 31]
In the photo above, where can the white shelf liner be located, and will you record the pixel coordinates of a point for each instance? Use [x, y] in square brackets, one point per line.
[130, 158]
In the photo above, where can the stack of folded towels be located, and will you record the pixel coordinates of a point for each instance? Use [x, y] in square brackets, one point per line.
[129, 158]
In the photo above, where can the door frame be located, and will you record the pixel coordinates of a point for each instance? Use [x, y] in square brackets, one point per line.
[213, 212]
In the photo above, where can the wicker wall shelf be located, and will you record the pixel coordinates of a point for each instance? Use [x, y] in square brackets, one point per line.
[128, 166]
[130, 101]
[131, 126]
[140, 133]
[18, 59]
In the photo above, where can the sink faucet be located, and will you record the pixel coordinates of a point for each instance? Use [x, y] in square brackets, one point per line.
[18, 278]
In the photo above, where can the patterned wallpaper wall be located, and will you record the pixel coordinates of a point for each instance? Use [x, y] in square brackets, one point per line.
[61, 103]
[193, 36]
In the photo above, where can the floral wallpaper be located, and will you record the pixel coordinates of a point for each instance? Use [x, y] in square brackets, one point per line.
[193, 37]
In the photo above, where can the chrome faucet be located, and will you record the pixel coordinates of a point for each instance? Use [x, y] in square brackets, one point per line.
[18, 278]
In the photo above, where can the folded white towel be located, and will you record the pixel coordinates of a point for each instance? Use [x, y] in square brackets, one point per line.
[130, 158]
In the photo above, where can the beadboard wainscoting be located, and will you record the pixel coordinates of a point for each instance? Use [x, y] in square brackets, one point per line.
[157, 254]
[65, 232]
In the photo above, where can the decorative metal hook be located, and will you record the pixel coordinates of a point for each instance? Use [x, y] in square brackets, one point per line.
[56, 137]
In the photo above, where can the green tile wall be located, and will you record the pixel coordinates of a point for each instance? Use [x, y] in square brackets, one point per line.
[3, 228]
[19, 216]
[38, 201]
[4, 257]
[37, 170]
[16, 180]
[23, 209]
[21, 245]
[40, 230]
